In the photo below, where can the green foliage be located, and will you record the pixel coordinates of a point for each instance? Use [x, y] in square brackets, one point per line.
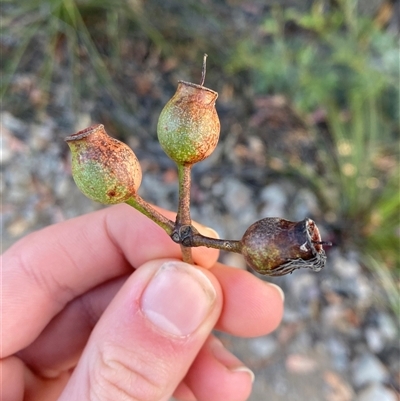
[81, 38]
[108, 50]
[324, 60]
[343, 66]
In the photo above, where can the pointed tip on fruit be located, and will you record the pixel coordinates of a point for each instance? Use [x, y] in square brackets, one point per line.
[204, 69]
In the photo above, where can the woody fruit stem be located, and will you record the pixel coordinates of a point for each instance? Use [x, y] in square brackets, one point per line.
[183, 216]
[145, 208]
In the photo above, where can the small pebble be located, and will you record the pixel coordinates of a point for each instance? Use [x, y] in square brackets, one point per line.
[387, 326]
[339, 388]
[366, 369]
[338, 352]
[346, 267]
[300, 364]
[274, 199]
[237, 196]
[305, 204]
[263, 347]
[374, 339]
[40, 136]
[12, 123]
[376, 392]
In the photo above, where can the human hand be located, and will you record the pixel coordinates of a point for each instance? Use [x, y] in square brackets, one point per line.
[79, 325]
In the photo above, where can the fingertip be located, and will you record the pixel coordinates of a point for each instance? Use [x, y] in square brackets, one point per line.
[246, 370]
[12, 378]
[168, 308]
[176, 284]
[184, 393]
[274, 303]
[279, 290]
[217, 374]
[251, 307]
[205, 257]
[207, 231]
[229, 360]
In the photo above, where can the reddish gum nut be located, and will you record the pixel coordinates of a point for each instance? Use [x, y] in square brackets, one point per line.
[188, 127]
[274, 246]
[105, 169]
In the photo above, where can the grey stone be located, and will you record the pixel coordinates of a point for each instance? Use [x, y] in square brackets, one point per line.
[274, 198]
[367, 368]
[346, 267]
[13, 124]
[338, 352]
[305, 287]
[301, 343]
[263, 347]
[374, 339]
[237, 196]
[6, 152]
[376, 392]
[291, 315]
[305, 204]
[240, 205]
[334, 317]
[387, 327]
[382, 331]
[41, 135]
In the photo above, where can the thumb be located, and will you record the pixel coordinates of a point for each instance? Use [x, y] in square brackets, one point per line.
[148, 337]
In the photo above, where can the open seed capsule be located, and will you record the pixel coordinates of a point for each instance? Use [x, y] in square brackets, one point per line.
[105, 169]
[275, 246]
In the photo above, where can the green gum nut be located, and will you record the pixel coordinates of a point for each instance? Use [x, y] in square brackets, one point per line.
[105, 169]
[274, 246]
[188, 127]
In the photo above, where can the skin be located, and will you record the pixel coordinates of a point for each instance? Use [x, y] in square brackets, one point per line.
[68, 293]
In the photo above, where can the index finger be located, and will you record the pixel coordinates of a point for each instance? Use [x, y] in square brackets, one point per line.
[47, 269]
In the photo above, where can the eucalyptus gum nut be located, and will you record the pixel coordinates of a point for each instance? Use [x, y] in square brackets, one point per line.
[188, 127]
[274, 246]
[105, 169]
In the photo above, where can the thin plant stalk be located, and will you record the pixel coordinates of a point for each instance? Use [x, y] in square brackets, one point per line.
[183, 216]
[221, 244]
[143, 207]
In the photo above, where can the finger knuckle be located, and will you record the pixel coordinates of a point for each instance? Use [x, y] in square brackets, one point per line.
[119, 374]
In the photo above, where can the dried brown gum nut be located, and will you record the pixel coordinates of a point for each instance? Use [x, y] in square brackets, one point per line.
[276, 246]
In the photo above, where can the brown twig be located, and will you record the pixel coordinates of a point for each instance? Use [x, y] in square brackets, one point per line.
[188, 236]
[183, 215]
[142, 206]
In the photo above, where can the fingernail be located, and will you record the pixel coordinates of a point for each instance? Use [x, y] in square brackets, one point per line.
[245, 369]
[281, 293]
[178, 298]
[207, 231]
[212, 233]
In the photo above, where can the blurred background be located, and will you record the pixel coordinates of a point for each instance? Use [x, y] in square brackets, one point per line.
[309, 110]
